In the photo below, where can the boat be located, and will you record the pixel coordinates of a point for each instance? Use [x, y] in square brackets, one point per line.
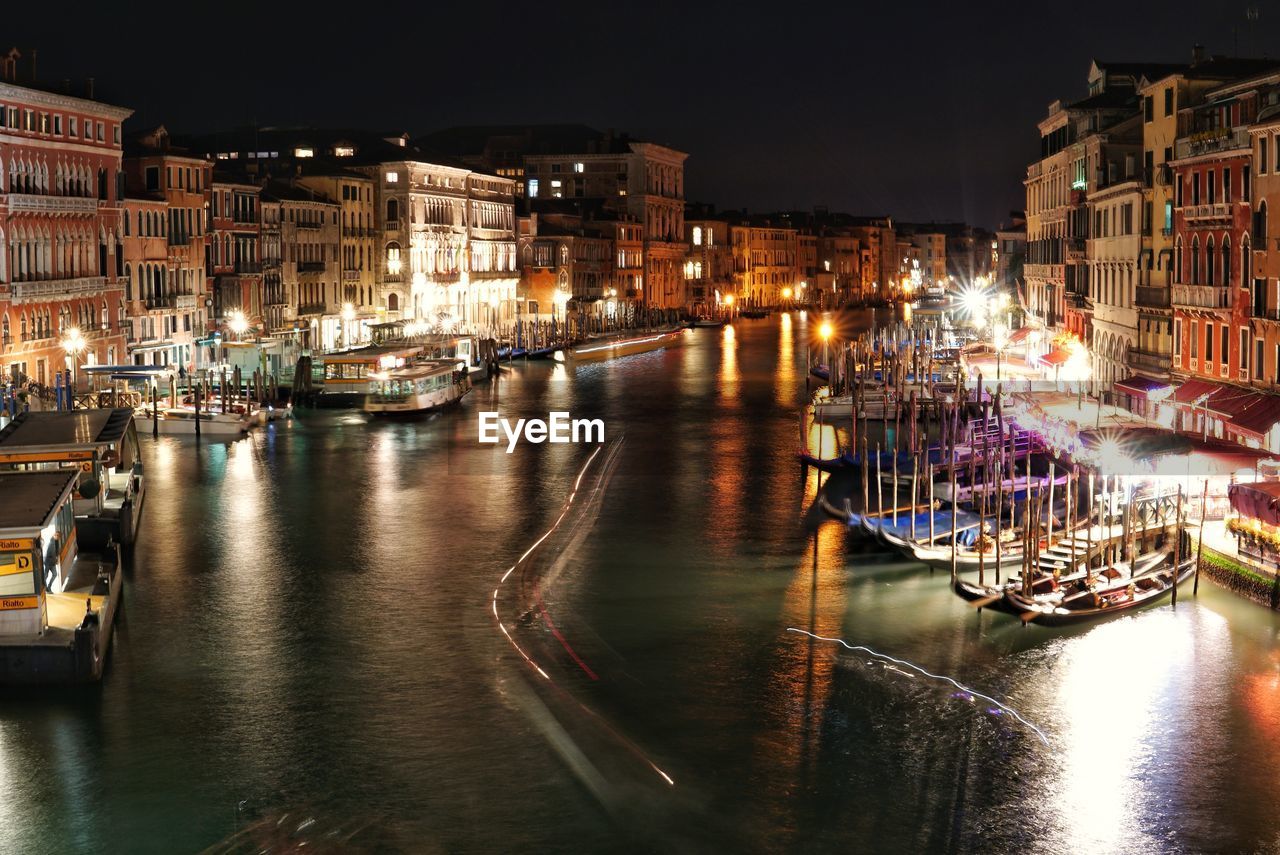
[593, 350]
[822, 372]
[346, 374]
[181, 421]
[420, 387]
[705, 321]
[1108, 595]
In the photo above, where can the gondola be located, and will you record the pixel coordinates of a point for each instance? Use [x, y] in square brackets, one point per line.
[1079, 604]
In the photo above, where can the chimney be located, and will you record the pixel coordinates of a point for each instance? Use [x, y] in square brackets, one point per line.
[1197, 54]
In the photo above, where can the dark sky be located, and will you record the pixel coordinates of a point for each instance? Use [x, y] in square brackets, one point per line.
[920, 111]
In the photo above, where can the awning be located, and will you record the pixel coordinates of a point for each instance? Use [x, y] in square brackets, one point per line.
[1055, 357]
[1259, 501]
[1230, 402]
[1257, 421]
[1140, 387]
[1020, 335]
[1193, 390]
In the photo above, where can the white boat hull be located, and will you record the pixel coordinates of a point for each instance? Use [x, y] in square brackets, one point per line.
[424, 402]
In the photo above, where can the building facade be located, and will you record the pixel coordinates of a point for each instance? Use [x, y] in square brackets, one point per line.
[61, 260]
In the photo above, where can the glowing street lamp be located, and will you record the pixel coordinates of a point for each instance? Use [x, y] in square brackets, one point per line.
[786, 293]
[73, 343]
[237, 323]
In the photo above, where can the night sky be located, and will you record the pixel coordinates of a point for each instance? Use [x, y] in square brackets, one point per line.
[906, 109]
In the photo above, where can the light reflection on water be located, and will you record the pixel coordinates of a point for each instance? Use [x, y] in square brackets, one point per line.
[306, 624]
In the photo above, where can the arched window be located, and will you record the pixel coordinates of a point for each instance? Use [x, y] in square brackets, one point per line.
[1209, 261]
[1226, 260]
[1177, 260]
[393, 257]
[1245, 265]
[1260, 222]
[128, 282]
[393, 302]
[1195, 259]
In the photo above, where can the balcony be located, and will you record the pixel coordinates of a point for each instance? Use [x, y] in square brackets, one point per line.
[248, 267]
[1203, 296]
[1146, 360]
[184, 301]
[53, 289]
[311, 309]
[1216, 211]
[350, 275]
[159, 301]
[391, 225]
[1208, 142]
[29, 203]
[310, 225]
[179, 239]
[1148, 297]
[310, 266]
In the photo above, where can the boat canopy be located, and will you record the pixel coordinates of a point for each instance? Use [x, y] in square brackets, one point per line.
[1259, 501]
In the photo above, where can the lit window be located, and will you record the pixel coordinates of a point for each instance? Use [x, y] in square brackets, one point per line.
[393, 177]
[577, 167]
[555, 182]
[302, 151]
[222, 155]
[697, 235]
[344, 151]
[533, 188]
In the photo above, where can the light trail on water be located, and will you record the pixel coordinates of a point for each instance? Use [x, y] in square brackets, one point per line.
[564, 512]
[925, 673]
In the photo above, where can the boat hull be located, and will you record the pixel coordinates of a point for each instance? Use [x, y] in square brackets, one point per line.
[600, 350]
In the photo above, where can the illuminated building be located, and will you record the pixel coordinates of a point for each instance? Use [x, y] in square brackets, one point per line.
[165, 237]
[765, 263]
[708, 267]
[1212, 213]
[61, 262]
[579, 168]
[234, 252]
[354, 193]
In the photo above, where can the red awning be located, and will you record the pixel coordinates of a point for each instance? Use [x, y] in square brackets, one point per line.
[1228, 401]
[1193, 390]
[1259, 501]
[1257, 421]
[1055, 357]
[1140, 387]
[1019, 335]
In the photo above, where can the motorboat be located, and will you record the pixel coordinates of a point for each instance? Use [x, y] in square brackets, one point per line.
[182, 421]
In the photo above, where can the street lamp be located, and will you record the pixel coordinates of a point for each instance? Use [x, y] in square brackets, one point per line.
[237, 323]
[348, 317]
[824, 332]
[73, 342]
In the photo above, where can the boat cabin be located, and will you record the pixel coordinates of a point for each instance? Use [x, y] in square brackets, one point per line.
[418, 379]
[101, 446]
[37, 545]
[348, 371]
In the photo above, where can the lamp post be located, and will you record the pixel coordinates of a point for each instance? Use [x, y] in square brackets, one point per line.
[824, 332]
[348, 318]
[728, 305]
[73, 343]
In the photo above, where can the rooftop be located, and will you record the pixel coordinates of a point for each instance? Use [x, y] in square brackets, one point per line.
[28, 499]
[79, 428]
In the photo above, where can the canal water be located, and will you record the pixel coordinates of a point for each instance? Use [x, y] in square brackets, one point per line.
[310, 633]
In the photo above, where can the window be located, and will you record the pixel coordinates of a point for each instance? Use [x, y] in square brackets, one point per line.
[1226, 184]
[1213, 188]
[1263, 148]
[578, 167]
[343, 151]
[1225, 345]
[697, 235]
[393, 177]
[57, 125]
[1168, 101]
[1208, 342]
[1177, 337]
[1257, 359]
[1178, 193]
[153, 178]
[1244, 349]
[1148, 108]
[1244, 183]
[101, 132]
[303, 151]
[115, 134]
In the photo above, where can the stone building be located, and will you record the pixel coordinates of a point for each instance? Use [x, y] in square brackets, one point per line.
[61, 259]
